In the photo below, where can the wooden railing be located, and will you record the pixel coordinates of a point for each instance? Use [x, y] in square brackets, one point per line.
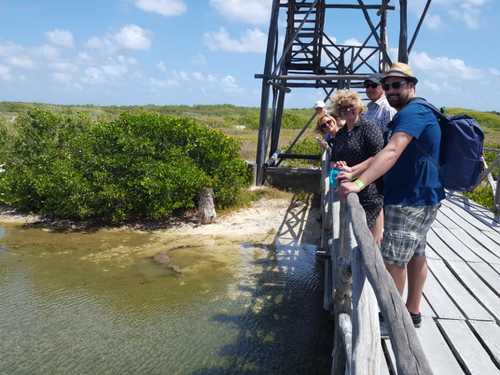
[357, 286]
[495, 188]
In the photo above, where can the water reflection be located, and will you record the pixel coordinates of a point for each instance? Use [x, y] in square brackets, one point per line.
[97, 303]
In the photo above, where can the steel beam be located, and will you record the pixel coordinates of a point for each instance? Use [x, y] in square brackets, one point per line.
[403, 32]
[264, 103]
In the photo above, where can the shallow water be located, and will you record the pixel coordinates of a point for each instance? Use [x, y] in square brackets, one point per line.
[96, 303]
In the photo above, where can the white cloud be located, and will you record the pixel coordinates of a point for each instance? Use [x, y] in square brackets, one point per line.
[157, 83]
[60, 38]
[114, 70]
[254, 12]
[10, 49]
[468, 12]
[133, 37]
[5, 73]
[433, 21]
[494, 71]
[443, 67]
[93, 75]
[106, 73]
[252, 41]
[161, 66]
[229, 84]
[431, 85]
[163, 7]
[21, 62]
[47, 52]
[198, 76]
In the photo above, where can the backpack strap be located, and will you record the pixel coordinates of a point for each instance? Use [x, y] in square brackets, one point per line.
[440, 116]
[425, 103]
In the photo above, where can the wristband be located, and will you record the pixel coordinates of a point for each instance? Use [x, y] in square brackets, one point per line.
[360, 184]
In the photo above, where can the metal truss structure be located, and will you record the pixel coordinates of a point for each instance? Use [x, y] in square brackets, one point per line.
[310, 58]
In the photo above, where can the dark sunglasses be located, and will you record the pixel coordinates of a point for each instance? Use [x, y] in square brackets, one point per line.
[394, 85]
[371, 85]
[343, 110]
[323, 125]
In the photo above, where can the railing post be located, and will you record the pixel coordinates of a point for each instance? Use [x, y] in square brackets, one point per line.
[343, 289]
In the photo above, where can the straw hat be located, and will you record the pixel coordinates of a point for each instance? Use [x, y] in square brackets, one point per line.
[400, 69]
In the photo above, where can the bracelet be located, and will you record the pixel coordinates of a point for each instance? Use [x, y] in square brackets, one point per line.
[360, 184]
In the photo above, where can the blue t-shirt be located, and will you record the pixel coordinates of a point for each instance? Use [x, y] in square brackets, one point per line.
[414, 179]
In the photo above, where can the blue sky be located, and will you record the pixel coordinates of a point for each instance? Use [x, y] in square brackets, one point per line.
[207, 51]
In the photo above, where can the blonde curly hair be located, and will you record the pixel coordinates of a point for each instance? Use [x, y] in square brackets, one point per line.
[347, 98]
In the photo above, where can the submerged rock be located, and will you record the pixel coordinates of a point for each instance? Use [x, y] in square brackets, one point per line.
[163, 259]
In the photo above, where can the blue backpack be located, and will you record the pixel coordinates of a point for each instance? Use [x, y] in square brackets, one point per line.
[460, 162]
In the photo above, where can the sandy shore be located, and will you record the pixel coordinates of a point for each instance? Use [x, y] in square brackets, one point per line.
[262, 217]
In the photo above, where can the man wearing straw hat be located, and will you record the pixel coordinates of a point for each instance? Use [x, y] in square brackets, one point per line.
[412, 189]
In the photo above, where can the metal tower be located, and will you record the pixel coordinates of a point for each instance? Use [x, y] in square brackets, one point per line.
[309, 58]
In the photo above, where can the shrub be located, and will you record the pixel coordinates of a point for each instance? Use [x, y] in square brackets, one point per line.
[140, 166]
[306, 146]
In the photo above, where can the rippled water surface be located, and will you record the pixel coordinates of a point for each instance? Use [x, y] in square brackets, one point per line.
[96, 303]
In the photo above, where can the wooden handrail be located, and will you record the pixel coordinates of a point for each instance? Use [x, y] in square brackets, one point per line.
[355, 259]
[410, 357]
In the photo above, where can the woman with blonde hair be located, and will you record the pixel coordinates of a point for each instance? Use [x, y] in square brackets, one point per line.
[354, 146]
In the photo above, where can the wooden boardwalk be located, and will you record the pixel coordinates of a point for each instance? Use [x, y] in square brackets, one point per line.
[460, 332]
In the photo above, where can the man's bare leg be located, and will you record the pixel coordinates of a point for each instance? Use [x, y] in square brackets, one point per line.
[398, 274]
[417, 274]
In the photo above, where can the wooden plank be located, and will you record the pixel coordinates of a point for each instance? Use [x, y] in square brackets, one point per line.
[467, 348]
[366, 348]
[493, 235]
[488, 274]
[327, 285]
[457, 246]
[478, 288]
[475, 247]
[464, 300]
[439, 354]
[445, 220]
[346, 332]
[489, 335]
[390, 357]
[479, 222]
[440, 247]
[475, 233]
[482, 217]
[384, 366]
[431, 254]
[442, 304]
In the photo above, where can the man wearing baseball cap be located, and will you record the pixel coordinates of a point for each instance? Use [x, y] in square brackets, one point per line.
[379, 110]
[412, 188]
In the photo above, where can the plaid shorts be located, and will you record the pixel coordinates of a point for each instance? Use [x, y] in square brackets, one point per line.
[405, 232]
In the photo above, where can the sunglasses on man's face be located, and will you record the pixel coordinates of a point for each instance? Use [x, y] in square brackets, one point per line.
[395, 85]
[370, 85]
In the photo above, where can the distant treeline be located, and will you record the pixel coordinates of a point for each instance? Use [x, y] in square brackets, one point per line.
[214, 116]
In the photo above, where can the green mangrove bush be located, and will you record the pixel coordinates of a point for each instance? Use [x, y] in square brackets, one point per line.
[140, 166]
